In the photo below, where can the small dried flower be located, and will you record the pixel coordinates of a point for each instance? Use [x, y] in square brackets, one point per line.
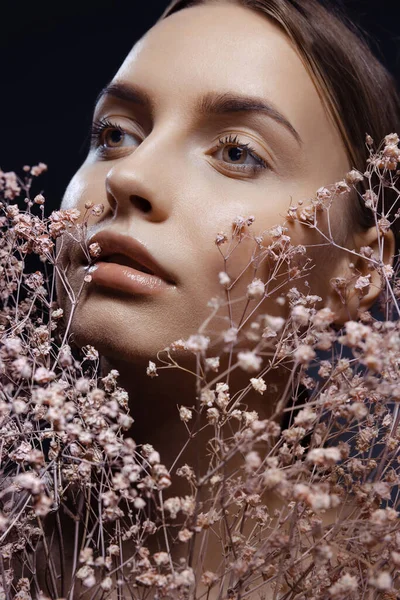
[277, 232]
[362, 284]
[253, 461]
[173, 506]
[57, 313]
[29, 481]
[300, 315]
[324, 457]
[98, 210]
[162, 476]
[258, 384]
[353, 176]
[161, 558]
[139, 503]
[221, 238]
[86, 574]
[238, 224]
[207, 397]
[185, 578]
[255, 289]
[305, 417]
[304, 354]
[274, 323]
[359, 410]
[185, 414]
[178, 345]
[39, 199]
[43, 375]
[391, 138]
[185, 535]
[22, 368]
[323, 193]
[153, 457]
[151, 370]
[272, 477]
[222, 391]
[323, 318]
[212, 415]
[43, 505]
[230, 335]
[344, 585]
[106, 584]
[249, 417]
[224, 278]
[388, 271]
[341, 187]
[383, 581]
[370, 199]
[94, 250]
[38, 169]
[384, 225]
[35, 280]
[86, 556]
[90, 352]
[209, 578]
[249, 361]
[213, 363]
[197, 343]
[236, 414]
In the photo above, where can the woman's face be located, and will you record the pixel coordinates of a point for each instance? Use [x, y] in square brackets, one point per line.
[164, 183]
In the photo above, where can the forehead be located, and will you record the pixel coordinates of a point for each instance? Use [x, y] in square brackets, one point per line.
[226, 47]
[223, 47]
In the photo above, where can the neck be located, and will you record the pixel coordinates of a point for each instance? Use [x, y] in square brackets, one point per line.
[154, 405]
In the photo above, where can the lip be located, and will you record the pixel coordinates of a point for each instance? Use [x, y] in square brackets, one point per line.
[125, 255]
[116, 276]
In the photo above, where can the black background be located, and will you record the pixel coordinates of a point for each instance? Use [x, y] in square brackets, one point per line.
[56, 56]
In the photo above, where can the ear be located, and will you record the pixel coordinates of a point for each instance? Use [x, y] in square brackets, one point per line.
[357, 283]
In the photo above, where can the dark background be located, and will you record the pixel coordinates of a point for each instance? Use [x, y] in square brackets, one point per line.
[56, 56]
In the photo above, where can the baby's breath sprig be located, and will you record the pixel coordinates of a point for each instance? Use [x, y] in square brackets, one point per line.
[300, 502]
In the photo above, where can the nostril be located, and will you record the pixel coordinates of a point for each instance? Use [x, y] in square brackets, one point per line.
[143, 204]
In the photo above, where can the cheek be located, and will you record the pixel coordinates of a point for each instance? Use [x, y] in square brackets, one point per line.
[281, 267]
[83, 187]
[86, 185]
[235, 258]
[311, 270]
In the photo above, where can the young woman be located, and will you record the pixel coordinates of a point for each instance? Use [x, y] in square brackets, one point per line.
[224, 108]
[221, 109]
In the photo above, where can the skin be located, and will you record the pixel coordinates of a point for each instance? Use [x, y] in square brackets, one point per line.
[166, 187]
[171, 167]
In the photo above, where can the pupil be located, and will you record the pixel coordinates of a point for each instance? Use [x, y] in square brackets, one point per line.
[237, 153]
[115, 136]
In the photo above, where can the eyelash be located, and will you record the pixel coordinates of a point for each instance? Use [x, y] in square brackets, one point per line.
[101, 125]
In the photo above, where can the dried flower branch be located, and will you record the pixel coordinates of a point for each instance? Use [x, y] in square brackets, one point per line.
[302, 504]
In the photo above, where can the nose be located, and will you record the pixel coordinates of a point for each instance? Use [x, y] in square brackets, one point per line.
[137, 183]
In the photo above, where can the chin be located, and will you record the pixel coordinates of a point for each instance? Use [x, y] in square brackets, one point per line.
[119, 331]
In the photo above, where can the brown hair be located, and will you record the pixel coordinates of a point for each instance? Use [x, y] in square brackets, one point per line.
[359, 92]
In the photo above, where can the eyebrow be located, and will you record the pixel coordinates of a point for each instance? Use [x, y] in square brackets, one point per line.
[211, 103]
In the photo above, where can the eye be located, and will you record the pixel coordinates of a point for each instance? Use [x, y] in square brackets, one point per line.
[234, 150]
[106, 135]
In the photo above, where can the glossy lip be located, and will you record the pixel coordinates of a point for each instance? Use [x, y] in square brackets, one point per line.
[126, 276]
[126, 279]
